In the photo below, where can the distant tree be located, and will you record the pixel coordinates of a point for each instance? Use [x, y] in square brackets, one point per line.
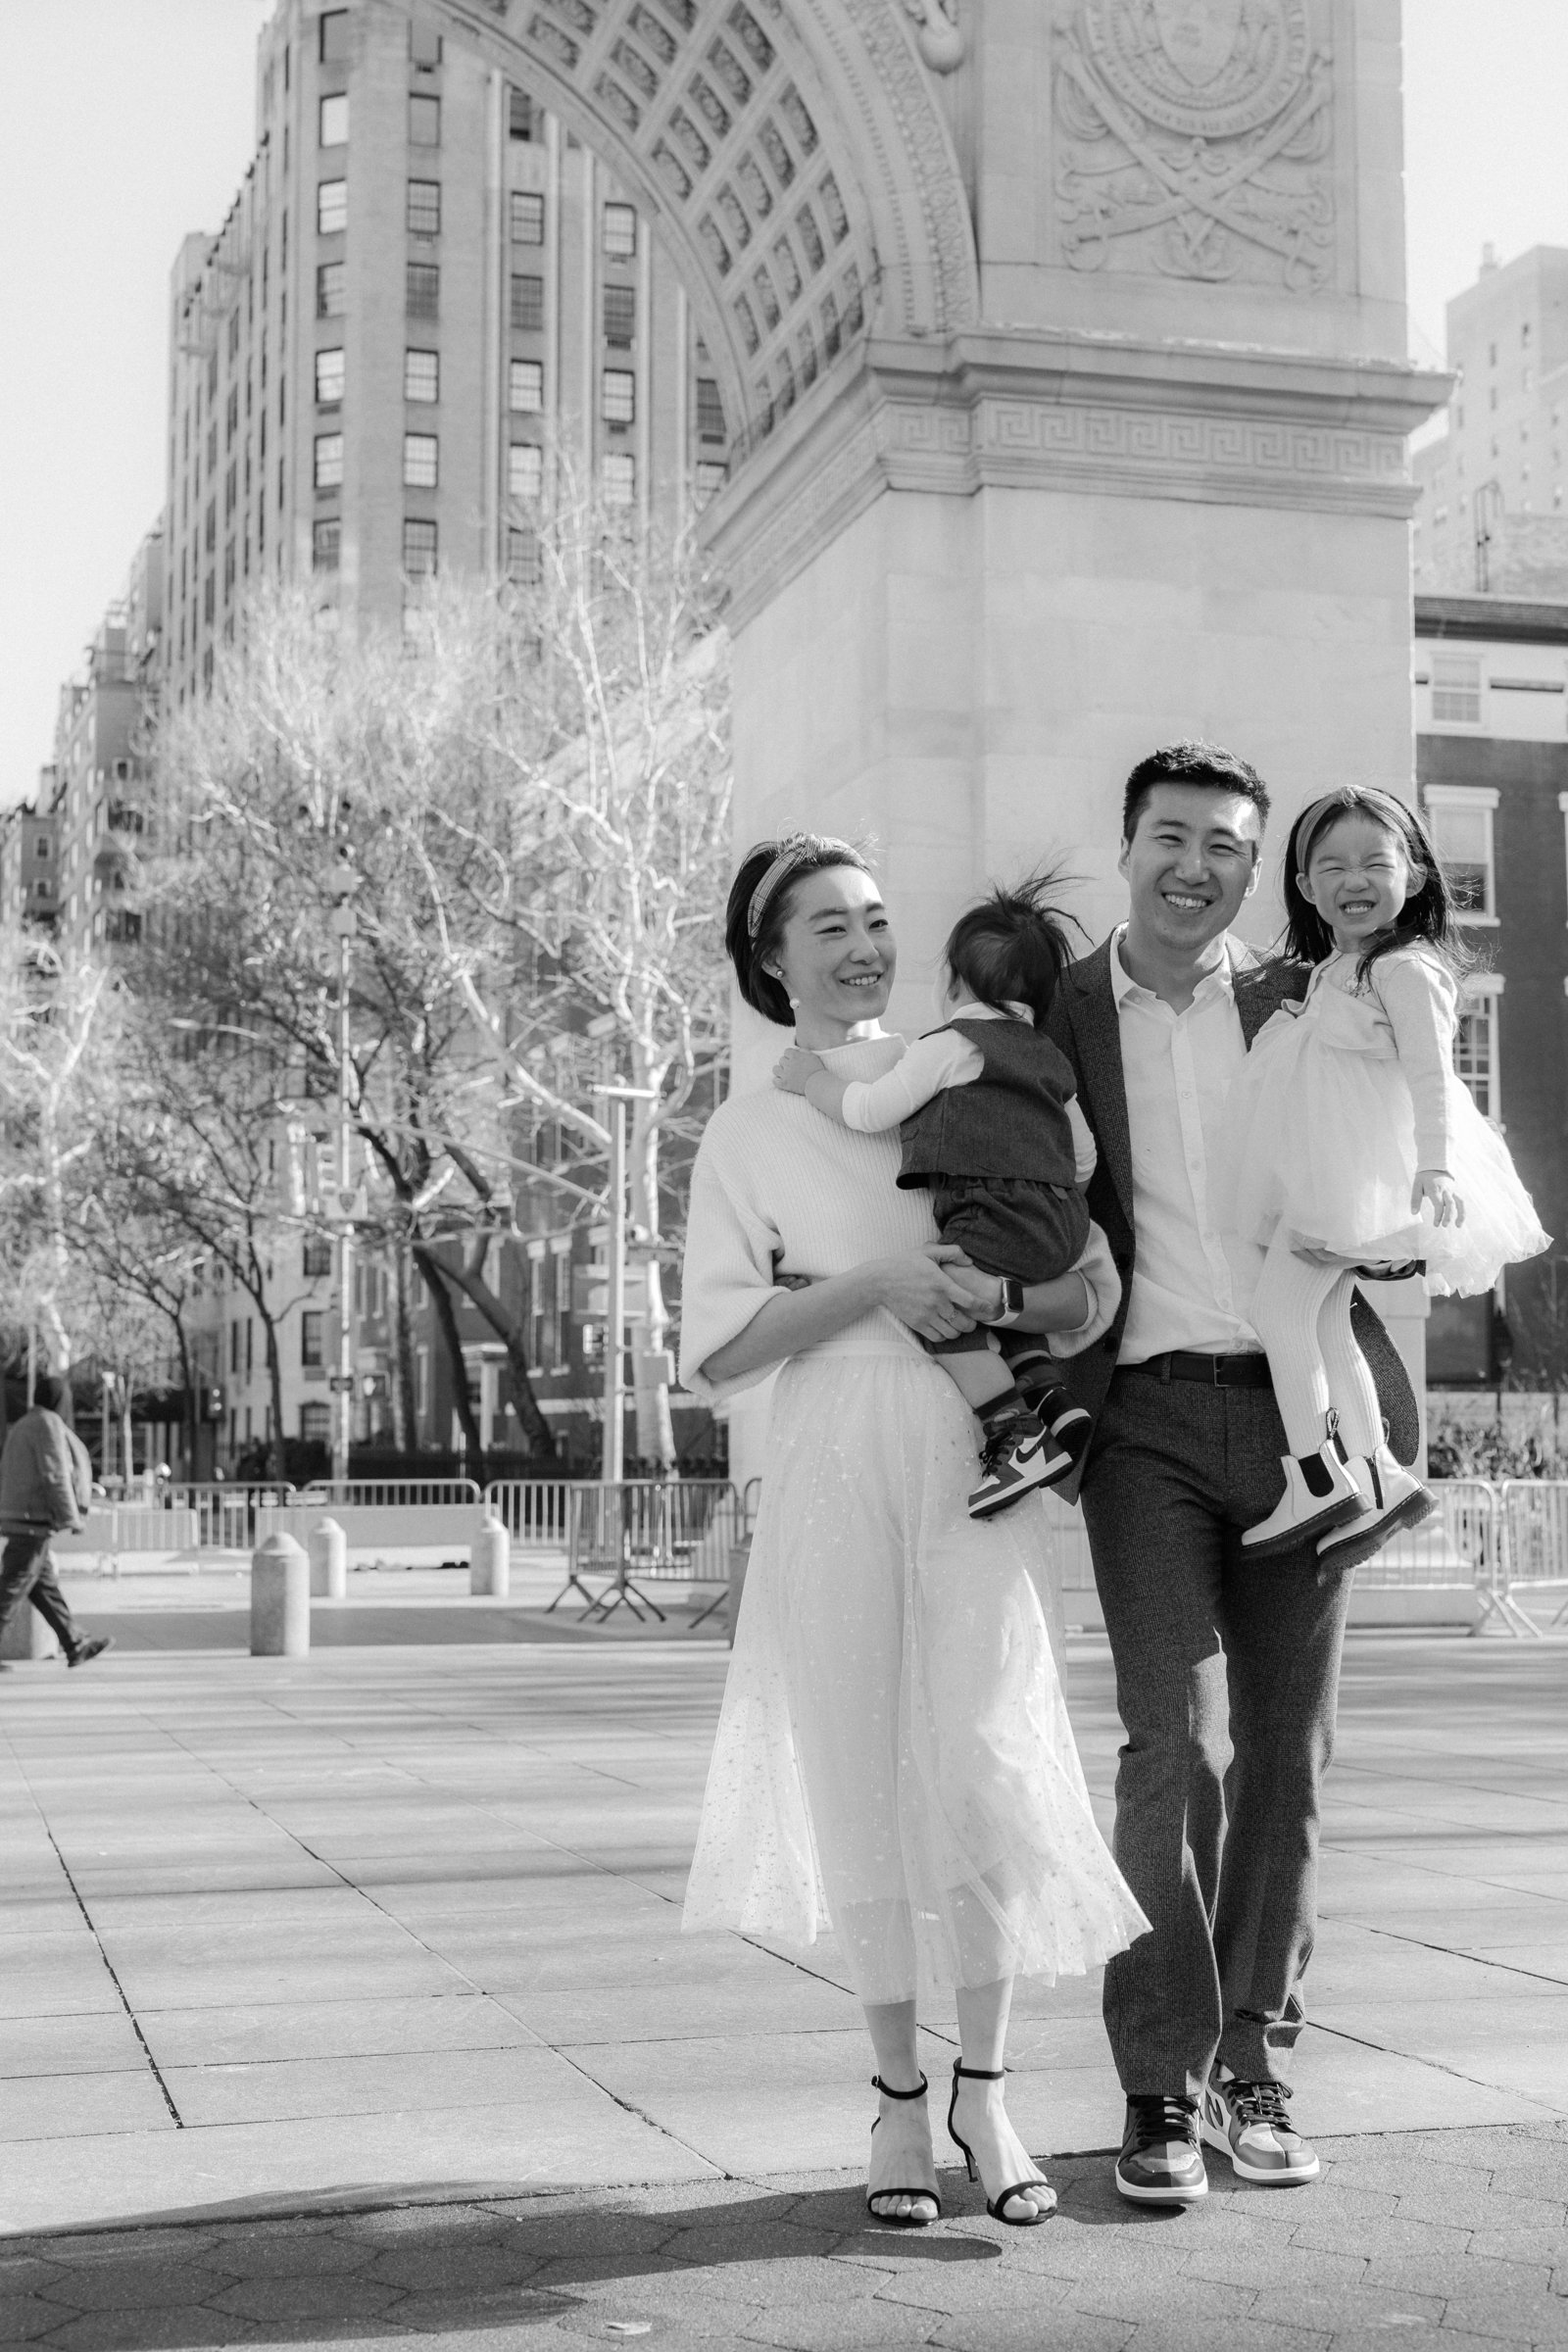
[57, 1041]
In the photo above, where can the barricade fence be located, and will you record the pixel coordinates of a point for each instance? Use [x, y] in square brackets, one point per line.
[623, 1537]
[534, 1512]
[389, 1493]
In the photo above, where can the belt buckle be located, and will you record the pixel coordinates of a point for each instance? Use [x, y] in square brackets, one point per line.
[1215, 1378]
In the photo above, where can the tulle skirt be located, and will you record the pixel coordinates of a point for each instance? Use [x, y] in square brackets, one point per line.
[893, 1759]
[1322, 1140]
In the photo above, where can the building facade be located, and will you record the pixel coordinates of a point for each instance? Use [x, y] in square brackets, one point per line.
[103, 743]
[1491, 768]
[29, 861]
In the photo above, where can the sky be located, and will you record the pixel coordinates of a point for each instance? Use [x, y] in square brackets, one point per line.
[124, 124]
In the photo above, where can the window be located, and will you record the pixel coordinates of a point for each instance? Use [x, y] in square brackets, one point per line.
[617, 396]
[332, 207]
[330, 290]
[420, 460]
[425, 119]
[1456, 690]
[421, 375]
[619, 478]
[711, 480]
[710, 410]
[1461, 816]
[328, 460]
[520, 114]
[620, 231]
[424, 282]
[421, 1381]
[418, 549]
[424, 46]
[525, 387]
[311, 1323]
[621, 316]
[524, 564]
[328, 379]
[318, 1258]
[1475, 1049]
[527, 303]
[326, 540]
[527, 218]
[316, 1424]
[424, 207]
[525, 470]
[334, 119]
[334, 36]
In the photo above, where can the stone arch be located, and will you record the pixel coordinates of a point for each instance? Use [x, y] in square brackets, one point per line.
[793, 153]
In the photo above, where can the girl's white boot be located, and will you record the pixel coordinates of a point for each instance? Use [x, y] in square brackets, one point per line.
[1392, 1497]
[1320, 1493]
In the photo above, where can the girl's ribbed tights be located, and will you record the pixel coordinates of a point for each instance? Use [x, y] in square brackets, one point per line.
[1302, 1316]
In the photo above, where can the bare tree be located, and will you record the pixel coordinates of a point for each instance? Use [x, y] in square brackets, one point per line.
[57, 1044]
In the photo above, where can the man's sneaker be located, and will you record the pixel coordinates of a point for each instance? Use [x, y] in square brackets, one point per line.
[1251, 2122]
[92, 1648]
[1019, 1454]
[1160, 2161]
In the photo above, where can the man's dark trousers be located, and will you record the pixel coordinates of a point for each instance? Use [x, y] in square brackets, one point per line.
[1218, 1835]
[28, 1573]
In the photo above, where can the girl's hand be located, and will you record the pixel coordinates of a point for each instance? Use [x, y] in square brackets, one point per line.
[917, 1289]
[792, 1070]
[1436, 1186]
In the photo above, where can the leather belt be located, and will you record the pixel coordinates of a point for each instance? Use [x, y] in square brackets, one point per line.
[1213, 1371]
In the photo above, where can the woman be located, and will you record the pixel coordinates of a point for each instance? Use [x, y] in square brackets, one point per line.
[894, 1752]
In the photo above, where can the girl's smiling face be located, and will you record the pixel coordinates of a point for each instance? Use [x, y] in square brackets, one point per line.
[1358, 877]
[837, 957]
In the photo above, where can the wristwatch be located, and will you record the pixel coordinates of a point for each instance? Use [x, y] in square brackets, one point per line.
[1011, 1307]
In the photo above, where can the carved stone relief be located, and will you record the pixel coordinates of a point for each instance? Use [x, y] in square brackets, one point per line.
[1193, 140]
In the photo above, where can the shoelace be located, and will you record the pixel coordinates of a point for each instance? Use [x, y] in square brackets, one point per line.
[1259, 2102]
[1164, 2119]
[1001, 1440]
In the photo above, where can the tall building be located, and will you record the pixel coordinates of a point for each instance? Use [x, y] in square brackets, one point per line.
[423, 284]
[1492, 774]
[1493, 509]
[101, 765]
[29, 861]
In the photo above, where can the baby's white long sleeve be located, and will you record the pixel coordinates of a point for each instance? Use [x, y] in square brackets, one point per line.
[931, 1066]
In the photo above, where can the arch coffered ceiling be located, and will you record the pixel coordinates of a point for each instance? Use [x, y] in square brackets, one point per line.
[793, 153]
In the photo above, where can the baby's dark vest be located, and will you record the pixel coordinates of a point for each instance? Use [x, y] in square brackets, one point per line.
[1010, 1121]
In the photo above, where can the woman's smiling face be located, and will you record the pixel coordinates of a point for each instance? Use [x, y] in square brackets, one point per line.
[836, 957]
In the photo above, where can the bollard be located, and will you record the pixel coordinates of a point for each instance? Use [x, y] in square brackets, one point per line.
[329, 1549]
[490, 1561]
[280, 1600]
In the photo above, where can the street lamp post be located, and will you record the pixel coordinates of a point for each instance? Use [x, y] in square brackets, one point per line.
[613, 1463]
[345, 881]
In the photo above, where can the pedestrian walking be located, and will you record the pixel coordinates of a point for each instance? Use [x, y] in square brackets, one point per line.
[893, 1759]
[1227, 1666]
[45, 1488]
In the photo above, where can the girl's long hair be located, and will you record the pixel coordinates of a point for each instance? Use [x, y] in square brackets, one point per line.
[1428, 915]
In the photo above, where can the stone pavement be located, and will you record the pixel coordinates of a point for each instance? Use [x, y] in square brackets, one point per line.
[344, 1997]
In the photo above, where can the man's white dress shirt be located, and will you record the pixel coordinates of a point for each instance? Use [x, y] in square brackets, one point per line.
[1193, 1285]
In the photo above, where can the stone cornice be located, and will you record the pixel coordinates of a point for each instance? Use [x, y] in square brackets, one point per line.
[1513, 619]
[1100, 416]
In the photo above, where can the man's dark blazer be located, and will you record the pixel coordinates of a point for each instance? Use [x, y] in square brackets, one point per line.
[1084, 1022]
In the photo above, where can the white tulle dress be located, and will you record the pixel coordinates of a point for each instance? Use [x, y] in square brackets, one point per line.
[1339, 1101]
[893, 1759]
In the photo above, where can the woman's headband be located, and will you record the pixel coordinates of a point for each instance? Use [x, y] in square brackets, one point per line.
[793, 852]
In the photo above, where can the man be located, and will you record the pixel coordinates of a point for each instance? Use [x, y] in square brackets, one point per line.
[45, 1488]
[1227, 1669]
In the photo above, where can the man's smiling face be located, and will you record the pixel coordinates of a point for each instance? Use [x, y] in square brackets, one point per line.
[1192, 860]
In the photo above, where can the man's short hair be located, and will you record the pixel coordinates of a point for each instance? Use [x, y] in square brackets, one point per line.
[1206, 764]
[49, 1390]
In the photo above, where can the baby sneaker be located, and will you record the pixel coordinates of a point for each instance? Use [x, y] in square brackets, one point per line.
[1037, 1382]
[1018, 1455]
[1320, 1493]
[1392, 1497]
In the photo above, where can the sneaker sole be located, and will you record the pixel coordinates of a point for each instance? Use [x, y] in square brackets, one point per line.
[1248, 2171]
[1161, 2196]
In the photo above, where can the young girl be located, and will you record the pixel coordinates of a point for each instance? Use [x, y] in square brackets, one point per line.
[988, 1121]
[1357, 1147]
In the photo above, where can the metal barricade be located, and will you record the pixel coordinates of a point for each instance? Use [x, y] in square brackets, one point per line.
[532, 1510]
[622, 1537]
[391, 1494]
[1535, 1519]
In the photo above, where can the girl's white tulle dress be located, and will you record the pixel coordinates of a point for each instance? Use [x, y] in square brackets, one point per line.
[894, 1760]
[1344, 1098]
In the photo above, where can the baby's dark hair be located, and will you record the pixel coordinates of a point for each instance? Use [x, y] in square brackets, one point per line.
[1013, 946]
[752, 933]
[1429, 914]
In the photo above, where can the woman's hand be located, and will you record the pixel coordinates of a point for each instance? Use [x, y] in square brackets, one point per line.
[1436, 1186]
[921, 1293]
[793, 1069]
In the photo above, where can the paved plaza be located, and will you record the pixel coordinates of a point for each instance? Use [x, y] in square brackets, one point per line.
[343, 2000]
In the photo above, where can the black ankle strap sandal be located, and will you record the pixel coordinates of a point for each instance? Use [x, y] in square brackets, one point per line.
[1020, 2188]
[877, 2196]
